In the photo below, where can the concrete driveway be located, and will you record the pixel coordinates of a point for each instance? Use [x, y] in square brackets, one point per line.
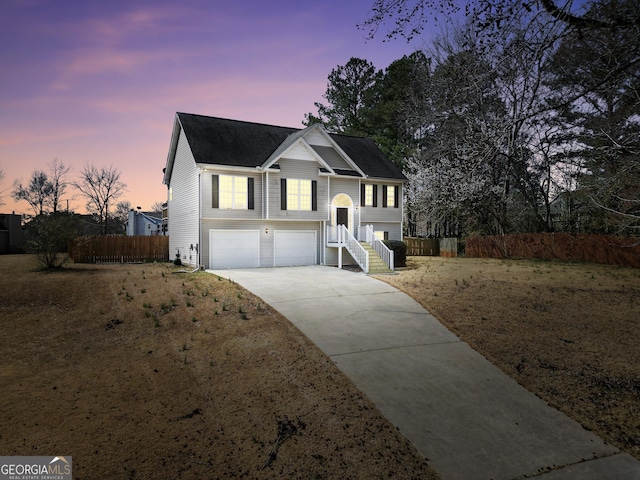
[464, 415]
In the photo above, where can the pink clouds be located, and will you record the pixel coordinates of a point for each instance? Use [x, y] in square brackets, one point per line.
[101, 81]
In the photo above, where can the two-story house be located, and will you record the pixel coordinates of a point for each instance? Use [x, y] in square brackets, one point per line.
[143, 223]
[245, 194]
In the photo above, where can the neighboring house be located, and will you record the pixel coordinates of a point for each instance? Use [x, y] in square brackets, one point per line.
[11, 233]
[244, 194]
[144, 223]
[165, 219]
[572, 211]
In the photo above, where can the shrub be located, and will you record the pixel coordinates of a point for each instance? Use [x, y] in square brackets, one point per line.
[48, 235]
[399, 249]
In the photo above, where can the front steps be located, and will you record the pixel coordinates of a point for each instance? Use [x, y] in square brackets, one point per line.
[376, 264]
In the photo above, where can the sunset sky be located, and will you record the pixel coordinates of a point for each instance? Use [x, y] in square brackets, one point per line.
[99, 82]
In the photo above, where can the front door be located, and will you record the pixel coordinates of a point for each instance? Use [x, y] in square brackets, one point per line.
[342, 216]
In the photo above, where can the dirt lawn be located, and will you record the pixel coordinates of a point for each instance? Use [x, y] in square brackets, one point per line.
[568, 332]
[139, 372]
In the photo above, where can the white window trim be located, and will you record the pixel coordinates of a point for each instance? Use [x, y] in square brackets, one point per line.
[294, 201]
[391, 196]
[242, 205]
[368, 195]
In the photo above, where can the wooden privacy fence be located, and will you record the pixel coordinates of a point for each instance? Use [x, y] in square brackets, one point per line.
[431, 247]
[606, 249]
[119, 249]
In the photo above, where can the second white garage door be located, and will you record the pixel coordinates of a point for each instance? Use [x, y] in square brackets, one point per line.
[234, 248]
[295, 247]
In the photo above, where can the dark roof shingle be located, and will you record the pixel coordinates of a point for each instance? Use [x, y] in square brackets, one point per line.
[221, 141]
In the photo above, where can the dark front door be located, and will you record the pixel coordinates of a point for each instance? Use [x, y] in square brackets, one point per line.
[342, 216]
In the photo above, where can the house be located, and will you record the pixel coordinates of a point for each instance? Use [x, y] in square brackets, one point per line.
[144, 223]
[11, 233]
[244, 194]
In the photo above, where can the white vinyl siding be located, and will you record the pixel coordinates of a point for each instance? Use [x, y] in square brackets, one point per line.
[209, 212]
[300, 170]
[348, 186]
[379, 214]
[394, 230]
[183, 206]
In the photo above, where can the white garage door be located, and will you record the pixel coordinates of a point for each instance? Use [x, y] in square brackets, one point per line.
[234, 248]
[297, 247]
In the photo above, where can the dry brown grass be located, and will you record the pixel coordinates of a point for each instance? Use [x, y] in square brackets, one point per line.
[569, 332]
[141, 373]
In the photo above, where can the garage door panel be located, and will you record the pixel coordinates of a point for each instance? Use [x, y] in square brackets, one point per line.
[295, 247]
[234, 248]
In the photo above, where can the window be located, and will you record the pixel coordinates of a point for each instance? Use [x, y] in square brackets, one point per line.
[232, 192]
[390, 196]
[369, 195]
[298, 194]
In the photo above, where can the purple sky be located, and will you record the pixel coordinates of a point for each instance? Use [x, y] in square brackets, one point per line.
[99, 82]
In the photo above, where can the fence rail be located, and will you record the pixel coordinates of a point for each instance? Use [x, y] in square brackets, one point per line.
[431, 247]
[606, 249]
[119, 249]
[422, 247]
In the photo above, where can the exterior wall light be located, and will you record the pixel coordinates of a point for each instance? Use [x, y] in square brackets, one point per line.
[266, 230]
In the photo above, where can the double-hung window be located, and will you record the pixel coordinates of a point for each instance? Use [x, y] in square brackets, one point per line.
[390, 196]
[369, 195]
[232, 192]
[297, 194]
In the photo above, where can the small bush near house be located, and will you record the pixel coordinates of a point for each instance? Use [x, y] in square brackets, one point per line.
[399, 249]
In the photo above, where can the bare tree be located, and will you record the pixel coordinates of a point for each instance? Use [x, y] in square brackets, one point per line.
[1, 191]
[483, 159]
[122, 211]
[410, 17]
[606, 120]
[58, 172]
[157, 207]
[37, 193]
[101, 187]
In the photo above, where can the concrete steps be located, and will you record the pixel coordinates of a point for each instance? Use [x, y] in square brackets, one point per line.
[376, 264]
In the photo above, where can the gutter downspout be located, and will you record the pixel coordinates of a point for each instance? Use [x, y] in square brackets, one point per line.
[265, 189]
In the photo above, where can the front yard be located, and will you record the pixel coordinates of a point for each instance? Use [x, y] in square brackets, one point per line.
[139, 372]
[569, 332]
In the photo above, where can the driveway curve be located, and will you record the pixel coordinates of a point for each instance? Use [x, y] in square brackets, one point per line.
[470, 420]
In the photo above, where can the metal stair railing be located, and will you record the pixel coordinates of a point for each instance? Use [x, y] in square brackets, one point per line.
[380, 248]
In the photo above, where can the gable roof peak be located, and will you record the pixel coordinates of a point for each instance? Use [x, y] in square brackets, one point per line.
[237, 143]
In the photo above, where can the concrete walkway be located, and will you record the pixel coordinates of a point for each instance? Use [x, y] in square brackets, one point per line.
[465, 416]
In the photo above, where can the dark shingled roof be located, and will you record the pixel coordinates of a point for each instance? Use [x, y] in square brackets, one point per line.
[222, 141]
[229, 142]
[368, 157]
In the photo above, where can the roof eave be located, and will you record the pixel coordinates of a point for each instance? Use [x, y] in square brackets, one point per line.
[173, 147]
